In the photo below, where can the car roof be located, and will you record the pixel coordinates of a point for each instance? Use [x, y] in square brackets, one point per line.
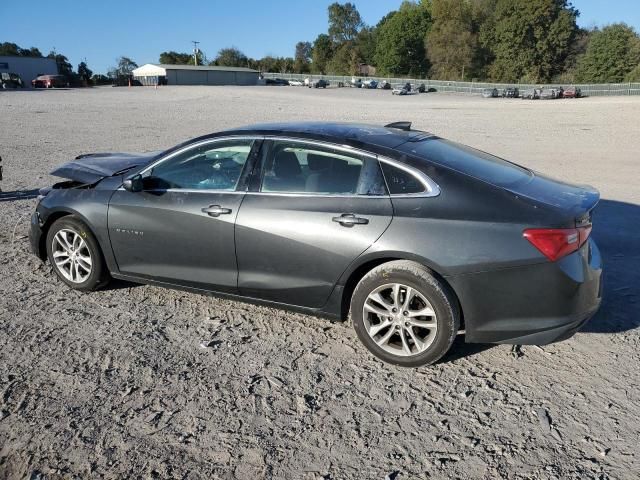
[354, 134]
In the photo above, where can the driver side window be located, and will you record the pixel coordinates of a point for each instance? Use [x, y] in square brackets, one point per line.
[212, 166]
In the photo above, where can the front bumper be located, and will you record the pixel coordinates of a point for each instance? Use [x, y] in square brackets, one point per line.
[533, 304]
[35, 236]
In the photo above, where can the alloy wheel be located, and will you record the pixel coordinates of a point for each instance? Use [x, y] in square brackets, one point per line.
[71, 255]
[399, 319]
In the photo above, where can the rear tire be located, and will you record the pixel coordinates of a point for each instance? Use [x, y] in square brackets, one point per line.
[404, 315]
[75, 255]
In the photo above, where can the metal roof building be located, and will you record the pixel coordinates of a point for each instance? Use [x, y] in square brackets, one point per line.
[153, 74]
[28, 67]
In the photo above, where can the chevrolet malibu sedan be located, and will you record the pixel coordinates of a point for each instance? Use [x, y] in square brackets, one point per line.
[412, 237]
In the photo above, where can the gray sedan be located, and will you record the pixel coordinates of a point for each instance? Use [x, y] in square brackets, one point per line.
[414, 238]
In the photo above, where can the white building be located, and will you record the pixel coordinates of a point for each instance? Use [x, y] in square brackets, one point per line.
[28, 67]
[152, 74]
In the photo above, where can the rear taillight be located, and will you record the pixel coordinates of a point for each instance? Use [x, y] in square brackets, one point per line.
[555, 243]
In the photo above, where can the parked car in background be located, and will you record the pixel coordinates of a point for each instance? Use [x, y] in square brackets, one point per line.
[511, 92]
[530, 94]
[10, 80]
[296, 83]
[550, 93]
[572, 92]
[370, 84]
[402, 89]
[320, 83]
[277, 81]
[50, 81]
[490, 93]
[412, 236]
[356, 82]
[384, 85]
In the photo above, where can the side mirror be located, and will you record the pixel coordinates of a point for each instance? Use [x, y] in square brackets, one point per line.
[133, 184]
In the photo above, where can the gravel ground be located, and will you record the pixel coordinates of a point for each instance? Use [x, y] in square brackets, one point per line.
[121, 383]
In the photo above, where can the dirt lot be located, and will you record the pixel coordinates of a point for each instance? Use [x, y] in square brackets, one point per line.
[116, 384]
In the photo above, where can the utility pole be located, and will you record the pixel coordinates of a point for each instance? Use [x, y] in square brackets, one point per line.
[195, 52]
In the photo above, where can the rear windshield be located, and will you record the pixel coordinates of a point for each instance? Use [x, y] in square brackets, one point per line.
[470, 161]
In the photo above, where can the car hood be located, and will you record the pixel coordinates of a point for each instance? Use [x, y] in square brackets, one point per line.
[93, 167]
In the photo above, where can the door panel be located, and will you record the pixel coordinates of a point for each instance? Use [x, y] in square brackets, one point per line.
[167, 236]
[313, 210]
[180, 228]
[291, 251]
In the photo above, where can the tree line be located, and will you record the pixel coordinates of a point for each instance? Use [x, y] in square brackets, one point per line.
[529, 41]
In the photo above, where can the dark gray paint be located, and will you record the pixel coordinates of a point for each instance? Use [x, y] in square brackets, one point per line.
[289, 252]
[167, 236]
[288, 247]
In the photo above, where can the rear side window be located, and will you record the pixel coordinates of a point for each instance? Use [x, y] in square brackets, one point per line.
[297, 167]
[401, 182]
[481, 165]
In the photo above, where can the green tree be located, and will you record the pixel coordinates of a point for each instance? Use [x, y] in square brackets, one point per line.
[577, 49]
[64, 67]
[345, 60]
[176, 58]
[124, 68]
[99, 79]
[612, 54]
[321, 53]
[344, 22]
[451, 42]
[303, 57]
[366, 44]
[530, 39]
[13, 50]
[231, 57]
[400, 41]
[31, 52]
[633, 75]
[268, 64]
[286, 64]
[84, 72]
[10, 49]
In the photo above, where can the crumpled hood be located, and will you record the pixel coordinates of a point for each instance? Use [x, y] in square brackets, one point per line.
[92, 167]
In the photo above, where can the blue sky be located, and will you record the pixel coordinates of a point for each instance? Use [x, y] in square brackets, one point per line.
[101, 31]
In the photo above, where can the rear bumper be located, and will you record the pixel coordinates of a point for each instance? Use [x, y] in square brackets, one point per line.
[534, 304]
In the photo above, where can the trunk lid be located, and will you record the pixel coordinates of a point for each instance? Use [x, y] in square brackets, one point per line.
[93, 167]
[575, 200]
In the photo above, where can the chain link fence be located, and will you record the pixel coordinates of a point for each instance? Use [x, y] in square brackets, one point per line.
[590, 90]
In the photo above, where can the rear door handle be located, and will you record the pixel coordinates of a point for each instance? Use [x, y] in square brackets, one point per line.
[349, 220]
[215, 210]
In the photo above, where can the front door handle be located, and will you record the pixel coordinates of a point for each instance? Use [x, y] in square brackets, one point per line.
[215, 210]
[349, 220]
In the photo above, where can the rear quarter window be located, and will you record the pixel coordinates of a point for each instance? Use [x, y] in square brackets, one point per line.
[467, 160]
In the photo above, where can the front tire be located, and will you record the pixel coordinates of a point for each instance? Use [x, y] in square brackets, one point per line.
[404, 315]
[75, 255]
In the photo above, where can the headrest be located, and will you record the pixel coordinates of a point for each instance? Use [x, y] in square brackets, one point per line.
[286, 165]
[318, 162]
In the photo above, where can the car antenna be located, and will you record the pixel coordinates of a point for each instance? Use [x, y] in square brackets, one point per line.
[406, 126]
